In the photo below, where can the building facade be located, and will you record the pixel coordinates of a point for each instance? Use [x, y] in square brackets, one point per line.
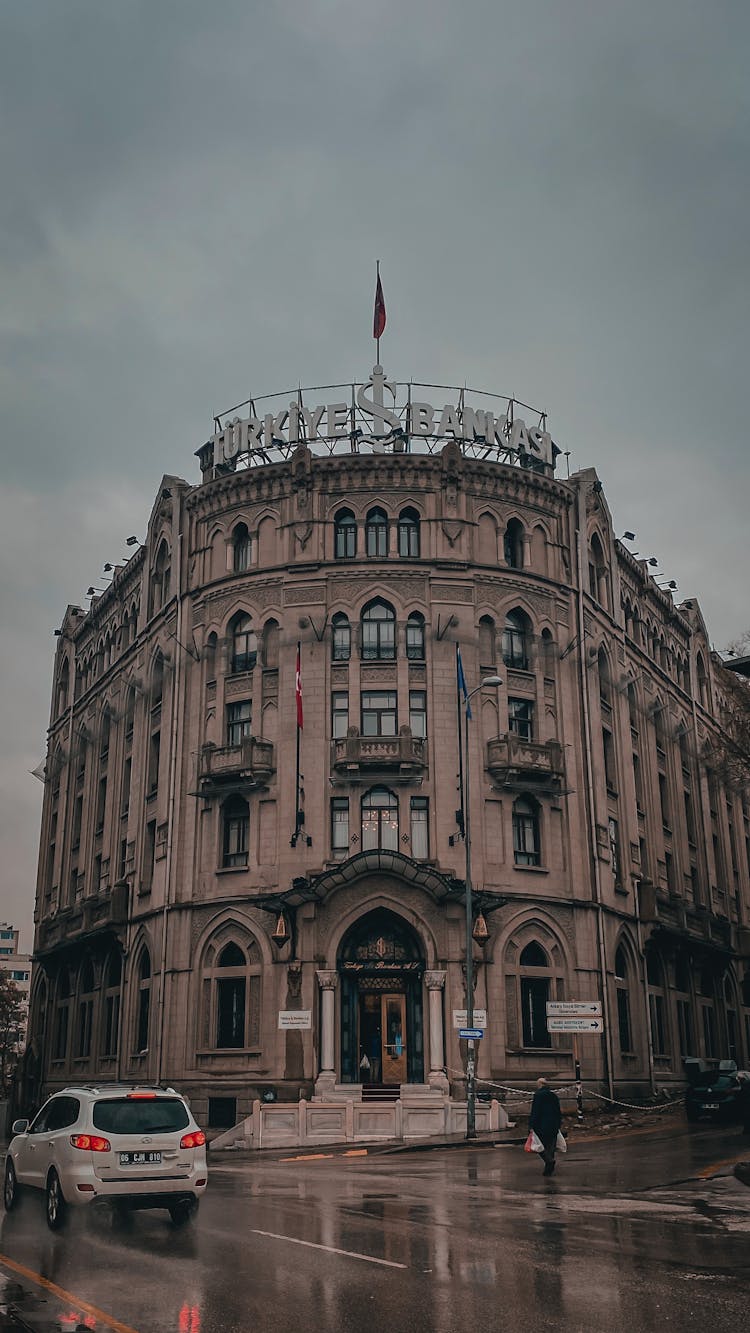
[250, 909]
[17, 967]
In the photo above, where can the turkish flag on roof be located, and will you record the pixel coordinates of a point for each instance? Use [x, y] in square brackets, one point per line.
[378, 323]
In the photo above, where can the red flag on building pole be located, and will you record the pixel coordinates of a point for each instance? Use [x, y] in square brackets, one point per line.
[298, 690]
[378, 323]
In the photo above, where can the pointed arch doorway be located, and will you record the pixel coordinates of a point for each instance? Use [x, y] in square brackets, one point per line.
[381, 967]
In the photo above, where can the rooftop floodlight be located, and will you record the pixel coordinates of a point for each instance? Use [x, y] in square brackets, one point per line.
[652, 560]
[628, 537]
[131, 541]
[108, 568]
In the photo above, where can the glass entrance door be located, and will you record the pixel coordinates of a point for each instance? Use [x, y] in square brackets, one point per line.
[382, 1038]
[393, 1020]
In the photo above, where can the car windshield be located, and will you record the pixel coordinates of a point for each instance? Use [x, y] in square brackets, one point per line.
[140, 1115]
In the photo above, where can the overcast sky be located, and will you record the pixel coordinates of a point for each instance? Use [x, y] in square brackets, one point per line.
[194, 195]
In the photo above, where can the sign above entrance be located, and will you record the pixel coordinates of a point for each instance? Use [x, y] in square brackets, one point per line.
[379, 416]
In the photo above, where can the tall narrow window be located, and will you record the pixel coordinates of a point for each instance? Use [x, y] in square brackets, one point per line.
[535, 987]
[408, 534]
[149, 857]
[623, 1002]
[513, 541]
[376, 533]
[418, 714]
[85, 1011]
[160, 579]
[143, 1004]
[605, 683]
[378, 714]
[236, 832]
[101, 804]
[516, 641]
[379, 820]
[154, 752]
[240, 548]
[340, 827]
[345, 535]
[378, 632]
[342, 637]
[239, 721]
[243, 643]
[415, 637]
[521, 718]
[111, 1024]
[339, 714]
[231, 995]
[656, 1003]
[62, 1012]
[608, 751]
[614, 851]
[526, 841]
[420, 836]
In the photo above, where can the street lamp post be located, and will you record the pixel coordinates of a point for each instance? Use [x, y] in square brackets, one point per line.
[471, 1101]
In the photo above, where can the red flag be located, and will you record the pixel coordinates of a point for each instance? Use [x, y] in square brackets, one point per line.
[378, 323]
[298, 690]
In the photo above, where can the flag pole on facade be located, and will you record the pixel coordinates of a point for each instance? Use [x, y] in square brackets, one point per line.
[460, 815]
[378, 323]
[299, 819]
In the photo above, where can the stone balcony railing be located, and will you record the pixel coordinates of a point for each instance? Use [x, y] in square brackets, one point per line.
[402, 757]
[671, 916]
[515, 762]
[245, 766]
[92, 916]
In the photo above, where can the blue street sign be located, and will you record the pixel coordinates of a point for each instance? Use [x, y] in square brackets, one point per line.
[471, 1034]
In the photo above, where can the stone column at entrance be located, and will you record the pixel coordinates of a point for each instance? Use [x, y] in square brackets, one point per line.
[435, 981]
[326, 1080]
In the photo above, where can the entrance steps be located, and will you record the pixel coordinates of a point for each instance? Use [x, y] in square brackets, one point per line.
[380, 1092]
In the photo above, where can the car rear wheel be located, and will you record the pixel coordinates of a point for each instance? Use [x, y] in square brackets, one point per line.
[10, 1187]
[56, 1205]
[183, 1212]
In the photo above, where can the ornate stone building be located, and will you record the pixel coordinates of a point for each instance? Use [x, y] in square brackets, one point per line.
[213, 914]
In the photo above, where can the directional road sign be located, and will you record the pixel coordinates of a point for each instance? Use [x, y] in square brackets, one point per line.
[471, 1034]
[573, 1008]
[583, 1025]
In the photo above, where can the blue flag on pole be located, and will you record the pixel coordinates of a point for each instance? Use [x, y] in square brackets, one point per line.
[462, 681]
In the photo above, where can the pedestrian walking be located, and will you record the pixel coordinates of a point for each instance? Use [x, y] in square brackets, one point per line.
[545, 1119]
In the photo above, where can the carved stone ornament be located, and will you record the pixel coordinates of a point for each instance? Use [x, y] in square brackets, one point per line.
[304, 594]
[294, 980]
[327, 980]
[434, 980]
[451, 531]
[302, 533]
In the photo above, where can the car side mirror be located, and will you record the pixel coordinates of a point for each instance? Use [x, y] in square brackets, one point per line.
[19, 1126]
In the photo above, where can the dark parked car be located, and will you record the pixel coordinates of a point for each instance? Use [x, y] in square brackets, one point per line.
[714, 1090]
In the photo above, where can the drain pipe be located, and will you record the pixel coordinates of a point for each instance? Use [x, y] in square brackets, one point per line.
[588, 766]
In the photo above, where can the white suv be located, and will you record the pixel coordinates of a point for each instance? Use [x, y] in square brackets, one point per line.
[134, 1147]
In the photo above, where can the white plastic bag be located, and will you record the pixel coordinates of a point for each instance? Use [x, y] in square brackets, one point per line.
[533, 1143]
[561, 1145]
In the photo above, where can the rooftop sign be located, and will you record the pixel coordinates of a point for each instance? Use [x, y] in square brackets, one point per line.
[381, 416]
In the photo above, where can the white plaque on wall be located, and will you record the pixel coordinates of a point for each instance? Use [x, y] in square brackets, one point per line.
[291, 1019]
[459, 1018]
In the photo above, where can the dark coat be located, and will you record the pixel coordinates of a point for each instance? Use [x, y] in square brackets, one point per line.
[546, 1117]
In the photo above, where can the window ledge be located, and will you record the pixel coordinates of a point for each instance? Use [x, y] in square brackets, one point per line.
[232, 870]
[536, 1051]
[226, 1052]
[534, 870]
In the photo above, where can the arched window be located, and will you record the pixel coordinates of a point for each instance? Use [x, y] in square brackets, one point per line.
[63, 687]
[379, 820]
[408, 534]
[378, 632]
[516, 640]
[160, 578]
[376, 533]
[230, 980]
[598, 577]
[622, 985]
[342, 637]
[86, 988]
[243, 643]
[235, 818]
[143, 1004]
[104, 733]
[209, 654]
[415, 647]
[345, 535]
[700, 670]
[534, 970]
[527, 849]
[124, 639]
[513, 540]
[110, 1032]
[241, 548]
[633, 708]
[271, 645]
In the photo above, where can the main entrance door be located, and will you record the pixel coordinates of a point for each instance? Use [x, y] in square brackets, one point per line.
[382, 1037]
[381, 972]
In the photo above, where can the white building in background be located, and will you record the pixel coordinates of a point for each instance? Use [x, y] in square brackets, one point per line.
[18, 967]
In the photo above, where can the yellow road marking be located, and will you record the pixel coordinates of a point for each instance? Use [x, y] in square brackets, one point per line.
[728, 1161]
[356, 1152]
[308, 1157]
[66, 1296]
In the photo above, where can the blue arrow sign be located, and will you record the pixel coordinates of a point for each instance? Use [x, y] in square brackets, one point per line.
[471, 1034]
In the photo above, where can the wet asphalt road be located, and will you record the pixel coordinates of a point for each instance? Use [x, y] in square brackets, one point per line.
[626, 1236]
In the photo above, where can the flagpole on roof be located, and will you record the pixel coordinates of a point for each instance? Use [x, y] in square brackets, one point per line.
[377, 286]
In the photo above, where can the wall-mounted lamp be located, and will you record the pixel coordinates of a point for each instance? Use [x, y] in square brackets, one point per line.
[281, 933]
[480, 933]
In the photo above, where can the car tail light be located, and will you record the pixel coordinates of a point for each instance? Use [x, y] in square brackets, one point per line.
[90, 1143]
[141, 1096]
[194, 1140]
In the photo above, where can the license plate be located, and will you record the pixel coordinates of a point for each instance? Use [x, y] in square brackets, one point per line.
[139, 1158]
[709, 1106]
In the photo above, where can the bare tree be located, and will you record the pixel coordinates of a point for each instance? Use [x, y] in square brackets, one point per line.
[11, 1019]
[730, 754]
